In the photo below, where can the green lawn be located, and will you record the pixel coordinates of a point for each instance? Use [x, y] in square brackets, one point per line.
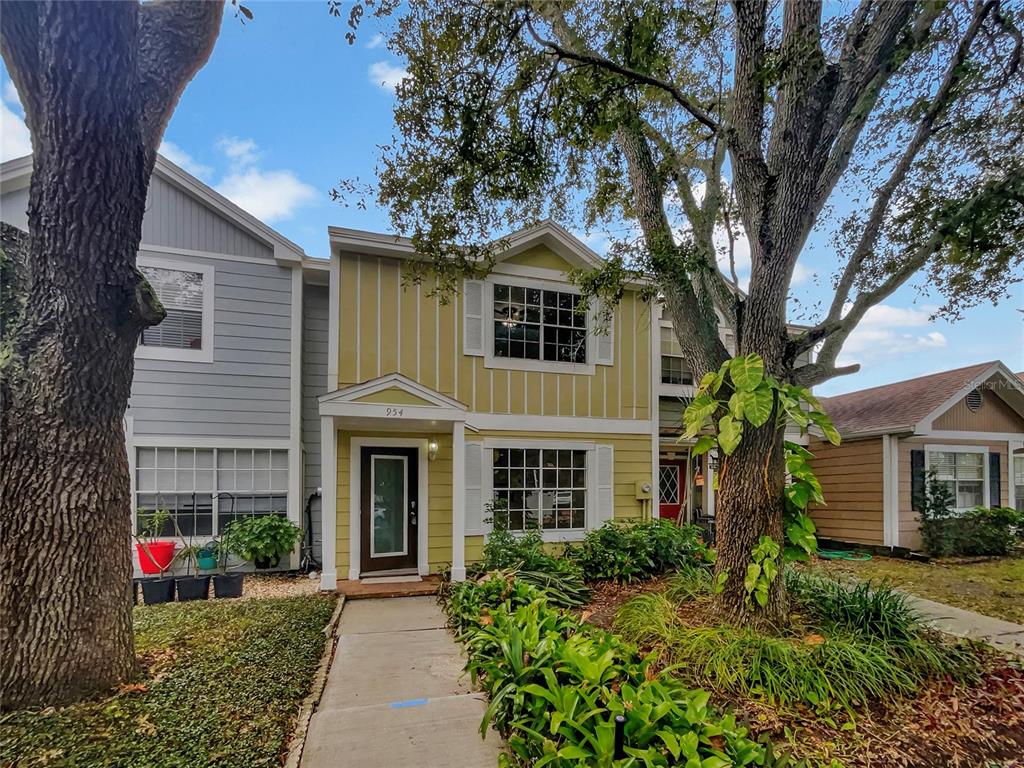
[992, 587]
[221, 686]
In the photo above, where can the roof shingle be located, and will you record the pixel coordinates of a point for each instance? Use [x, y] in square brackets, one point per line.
[899, 405]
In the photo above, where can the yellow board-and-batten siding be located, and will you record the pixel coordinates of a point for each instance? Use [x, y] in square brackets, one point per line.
[388, 327]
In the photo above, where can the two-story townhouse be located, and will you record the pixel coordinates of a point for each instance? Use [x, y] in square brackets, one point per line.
[215, 426]
[501, 392]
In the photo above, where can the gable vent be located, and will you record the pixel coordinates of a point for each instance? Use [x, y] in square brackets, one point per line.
[974, 400]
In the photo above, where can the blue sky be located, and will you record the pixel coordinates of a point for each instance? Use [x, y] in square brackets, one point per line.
[286, 107]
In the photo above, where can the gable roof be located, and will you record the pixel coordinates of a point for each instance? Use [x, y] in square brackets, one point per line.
[15, 174]
[547, 232]
[904, 405]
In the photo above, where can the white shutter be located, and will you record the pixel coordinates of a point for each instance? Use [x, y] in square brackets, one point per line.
[605, 482]
[474, 498]
[604, 342]
[473, 325]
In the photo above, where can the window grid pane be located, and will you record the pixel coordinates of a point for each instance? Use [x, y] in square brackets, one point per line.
[541, 488]
[181, 293]
[184, 482]
[963, 474]
[531, 324]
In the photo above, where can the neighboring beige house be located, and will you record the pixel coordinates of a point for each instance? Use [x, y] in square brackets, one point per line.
[967, 424]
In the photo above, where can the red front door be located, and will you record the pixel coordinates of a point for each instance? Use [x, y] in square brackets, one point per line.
[671, 488]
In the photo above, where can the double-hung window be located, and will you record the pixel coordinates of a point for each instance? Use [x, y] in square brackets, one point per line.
[673, 368]
[205, 489]
[963, 473]
[541, 488]
[186, 293]
[539, 324]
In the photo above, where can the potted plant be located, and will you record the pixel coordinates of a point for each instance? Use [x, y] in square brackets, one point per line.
[226, 584]
[155, 556]
[263, 540]
[192, 587]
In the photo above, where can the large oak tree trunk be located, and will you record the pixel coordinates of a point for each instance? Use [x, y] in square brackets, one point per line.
[749, 505]
[98, 81]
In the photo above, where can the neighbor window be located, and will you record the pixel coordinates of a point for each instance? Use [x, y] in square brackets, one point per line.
[181, 293]
[205, 489]
[535, 324]
[963, 474]
[673, 369]
[541, 488]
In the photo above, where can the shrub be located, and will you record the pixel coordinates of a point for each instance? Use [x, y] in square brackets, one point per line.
[631, 551]
[521, 550]
[556, 685]
[263, 537]
[977, 532]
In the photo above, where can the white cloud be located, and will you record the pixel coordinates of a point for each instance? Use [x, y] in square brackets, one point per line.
[267, 195]
[801, 274]
[376, 41]
[180, 157]
[241, 152]
[887, 332]
[386, 75]
[14, 136]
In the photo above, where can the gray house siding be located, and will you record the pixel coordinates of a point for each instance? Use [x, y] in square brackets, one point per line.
[177, 220]
[315, 305]
[244, 392]
[14, 208]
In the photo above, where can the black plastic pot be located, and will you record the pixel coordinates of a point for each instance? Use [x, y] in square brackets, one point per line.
[158, 591]
[193, 587]
[228, 584]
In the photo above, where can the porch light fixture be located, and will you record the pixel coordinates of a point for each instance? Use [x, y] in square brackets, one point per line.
[432, 450]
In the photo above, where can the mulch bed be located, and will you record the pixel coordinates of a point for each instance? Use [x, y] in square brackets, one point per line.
[946, 724]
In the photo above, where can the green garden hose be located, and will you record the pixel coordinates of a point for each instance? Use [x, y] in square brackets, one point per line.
[838, 554]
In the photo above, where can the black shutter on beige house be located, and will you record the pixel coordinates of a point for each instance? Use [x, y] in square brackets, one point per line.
[916, 480]
[995, 483]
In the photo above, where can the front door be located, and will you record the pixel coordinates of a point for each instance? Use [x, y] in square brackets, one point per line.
[671, 488]
[389, 508]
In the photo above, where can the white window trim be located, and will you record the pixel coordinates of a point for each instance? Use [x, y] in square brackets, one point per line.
[204, 355]
[519, 364]
[982, 449]
[550, 536]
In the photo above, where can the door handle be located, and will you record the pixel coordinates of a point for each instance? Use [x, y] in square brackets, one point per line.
[412, 512]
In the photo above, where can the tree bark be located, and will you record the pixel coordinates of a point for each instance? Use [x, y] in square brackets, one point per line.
[82, 70]
[749, 501]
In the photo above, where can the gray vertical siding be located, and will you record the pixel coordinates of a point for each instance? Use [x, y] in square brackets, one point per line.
[314, 383]
[177, 220]
[14, 208]
[245, 391]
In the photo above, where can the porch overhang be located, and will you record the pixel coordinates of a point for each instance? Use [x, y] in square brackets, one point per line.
[394, 400]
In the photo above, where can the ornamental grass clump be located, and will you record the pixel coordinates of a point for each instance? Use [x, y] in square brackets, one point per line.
[851, 645]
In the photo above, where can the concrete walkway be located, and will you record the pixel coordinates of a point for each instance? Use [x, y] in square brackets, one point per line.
[1004, 635]
[395, 695]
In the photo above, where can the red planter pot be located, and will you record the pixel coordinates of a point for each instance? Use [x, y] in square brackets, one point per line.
[156, 556]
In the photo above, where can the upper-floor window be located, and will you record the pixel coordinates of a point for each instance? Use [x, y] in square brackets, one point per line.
[674, 369]
[537, 324]
[186, 333]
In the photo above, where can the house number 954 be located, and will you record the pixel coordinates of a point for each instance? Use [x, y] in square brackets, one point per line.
[394, 411]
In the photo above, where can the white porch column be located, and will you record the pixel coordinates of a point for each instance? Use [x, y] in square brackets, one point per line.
[709, 481]
[1011, 487]
[329, 503]
[459, 501]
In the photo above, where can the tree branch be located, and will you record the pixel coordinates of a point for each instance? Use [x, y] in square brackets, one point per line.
[553, 15]
[19, 44]
[176, 38]
[925, 130]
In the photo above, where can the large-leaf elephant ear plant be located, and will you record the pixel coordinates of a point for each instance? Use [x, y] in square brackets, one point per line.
[738, 394]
